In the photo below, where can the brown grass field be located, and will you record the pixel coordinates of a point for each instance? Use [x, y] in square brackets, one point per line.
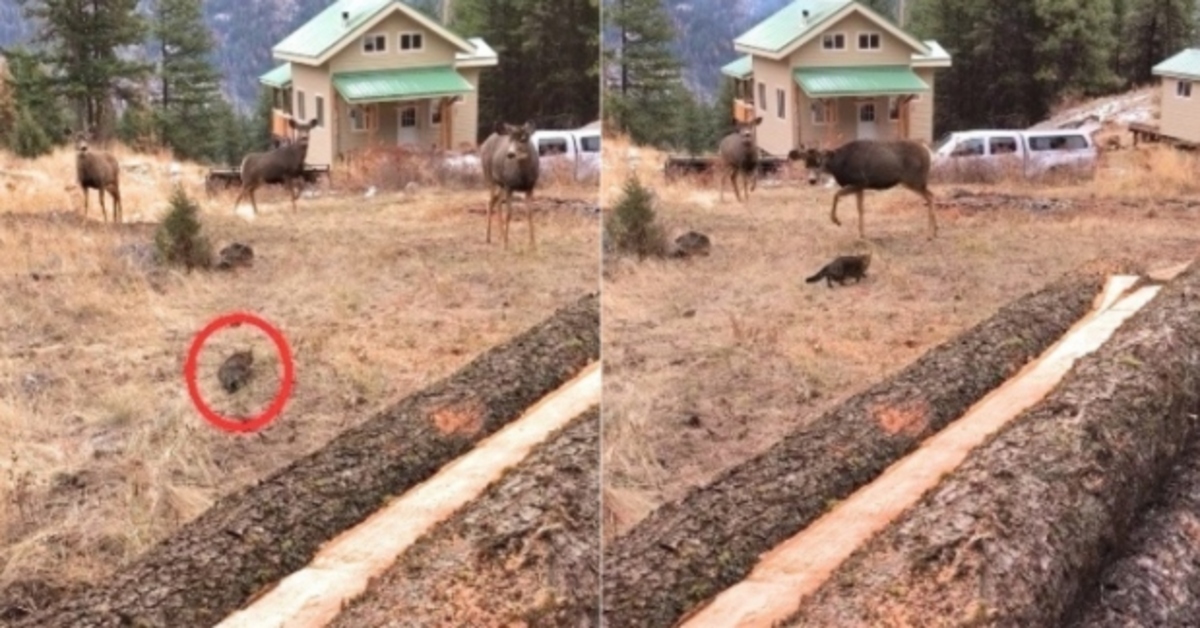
[709, 361]
[101, 451]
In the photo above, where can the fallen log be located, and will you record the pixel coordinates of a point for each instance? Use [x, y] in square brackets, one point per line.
[1019, 534]
[689, 550]
[528, 552]
[248, 540]
[1156, 582]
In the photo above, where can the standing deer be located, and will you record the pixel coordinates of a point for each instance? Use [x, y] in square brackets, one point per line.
[862, 165]
[739, 155]
[510, 164]
[283, 165]
[98, 171]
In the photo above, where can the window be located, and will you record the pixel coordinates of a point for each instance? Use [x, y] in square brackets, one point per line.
[866, 112]
[301, 111]
[411, 42]
[834, 41]
[552, 146]
[868, 41]
[589, 143]
[762, 96]
[408, 118]
[320, 110]
[1072, 141]
[363, 118]
[968, 148]
[1002, 145]
[374, 44]
[893, 108]
[824, 113]
[435, 113]
[1183, 89]
[781, 104]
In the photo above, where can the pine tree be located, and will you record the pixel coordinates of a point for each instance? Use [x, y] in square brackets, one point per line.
[30, 90]
[189, 84]
[1153, 31]
[81, 40]
[27, 139]
[643, 90]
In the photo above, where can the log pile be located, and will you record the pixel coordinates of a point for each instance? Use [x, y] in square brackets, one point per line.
[1020, 533]
[250, 539]
[690, 550]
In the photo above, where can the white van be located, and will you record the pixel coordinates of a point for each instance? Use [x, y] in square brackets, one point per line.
[578, 150]
[991, 154]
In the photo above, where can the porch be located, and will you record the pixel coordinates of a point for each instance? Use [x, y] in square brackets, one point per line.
[279, 81]
[412, 108]
[741, 71]
[836, 105]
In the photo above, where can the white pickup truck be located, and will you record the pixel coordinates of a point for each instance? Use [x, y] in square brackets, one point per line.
[575, 151]
[989, 155]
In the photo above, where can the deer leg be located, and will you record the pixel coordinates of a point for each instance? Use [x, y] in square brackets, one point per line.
[508, 214]
[118, 214]
[491, 202]
[85, 202]
[721, 186]
[253, 202]
[103, 209]
[833, 212]
[733, 178]
[529, 216]
[859, 198]
[929, 208]
[241, 194]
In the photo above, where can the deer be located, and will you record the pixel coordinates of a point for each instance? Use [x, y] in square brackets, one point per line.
[739, 155]
[510, 164]
[283, 165]
[98, 171]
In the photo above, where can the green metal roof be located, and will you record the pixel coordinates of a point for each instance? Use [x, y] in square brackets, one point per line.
[880, 80]
[1185, 64]
[385, 85]
[279, 77]
[787, 24]
[739, 68]
[326, 30]
[936, 52]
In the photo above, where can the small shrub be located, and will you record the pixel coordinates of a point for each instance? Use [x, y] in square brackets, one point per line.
[633, 226]
[178, 240]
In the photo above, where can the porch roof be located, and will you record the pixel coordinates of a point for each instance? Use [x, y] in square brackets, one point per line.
[740, 68]
[279, 77]
[880, 80]
[405, 84]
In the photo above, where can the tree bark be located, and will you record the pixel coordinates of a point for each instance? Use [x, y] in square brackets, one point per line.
[690, 550]
[252, 538]
[1157, 581]
[527, 552]
[1020, 533]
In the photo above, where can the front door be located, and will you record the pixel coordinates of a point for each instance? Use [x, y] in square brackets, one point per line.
[866, 120]
[407, 125]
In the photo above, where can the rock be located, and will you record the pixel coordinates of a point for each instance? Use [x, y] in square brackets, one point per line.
[691, 244]
[236, 371]
[235, 255]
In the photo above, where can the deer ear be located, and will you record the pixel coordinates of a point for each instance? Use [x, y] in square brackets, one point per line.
[758, 121]
[313, 123]
[292, 122]
[501, 128]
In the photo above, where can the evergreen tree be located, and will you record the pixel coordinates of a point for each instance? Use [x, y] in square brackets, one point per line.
[32, 97]
[27, 138]
[136, 127]
[1155, 30]
[644, 88]
[189, 84]
[548, 60]
[83, 41]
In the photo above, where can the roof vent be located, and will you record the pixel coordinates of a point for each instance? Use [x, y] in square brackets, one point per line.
[345, 18]
[804, 14]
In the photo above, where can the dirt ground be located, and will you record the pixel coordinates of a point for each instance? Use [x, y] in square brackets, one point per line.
[102, 453]
[525, 554]
[709, 361]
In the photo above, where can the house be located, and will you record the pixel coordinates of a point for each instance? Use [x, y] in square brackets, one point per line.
[1179, 118]
[829, 71]
[377, 72]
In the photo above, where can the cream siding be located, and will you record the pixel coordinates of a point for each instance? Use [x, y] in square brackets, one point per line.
[465, 115]
[892, 51]
[313, 82]
[437, 51]
[774, 135]
[920, 111]
[1180, 117]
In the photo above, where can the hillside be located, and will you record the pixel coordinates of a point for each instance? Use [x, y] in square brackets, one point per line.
[243, 34]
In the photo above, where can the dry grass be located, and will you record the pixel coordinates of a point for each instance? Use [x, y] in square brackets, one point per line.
[101, 451]
[710, 361]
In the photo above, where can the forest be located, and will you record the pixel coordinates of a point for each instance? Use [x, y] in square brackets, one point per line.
[1013, 61]
[183, 74]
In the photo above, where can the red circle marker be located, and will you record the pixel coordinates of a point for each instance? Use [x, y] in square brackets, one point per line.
[285, 390]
